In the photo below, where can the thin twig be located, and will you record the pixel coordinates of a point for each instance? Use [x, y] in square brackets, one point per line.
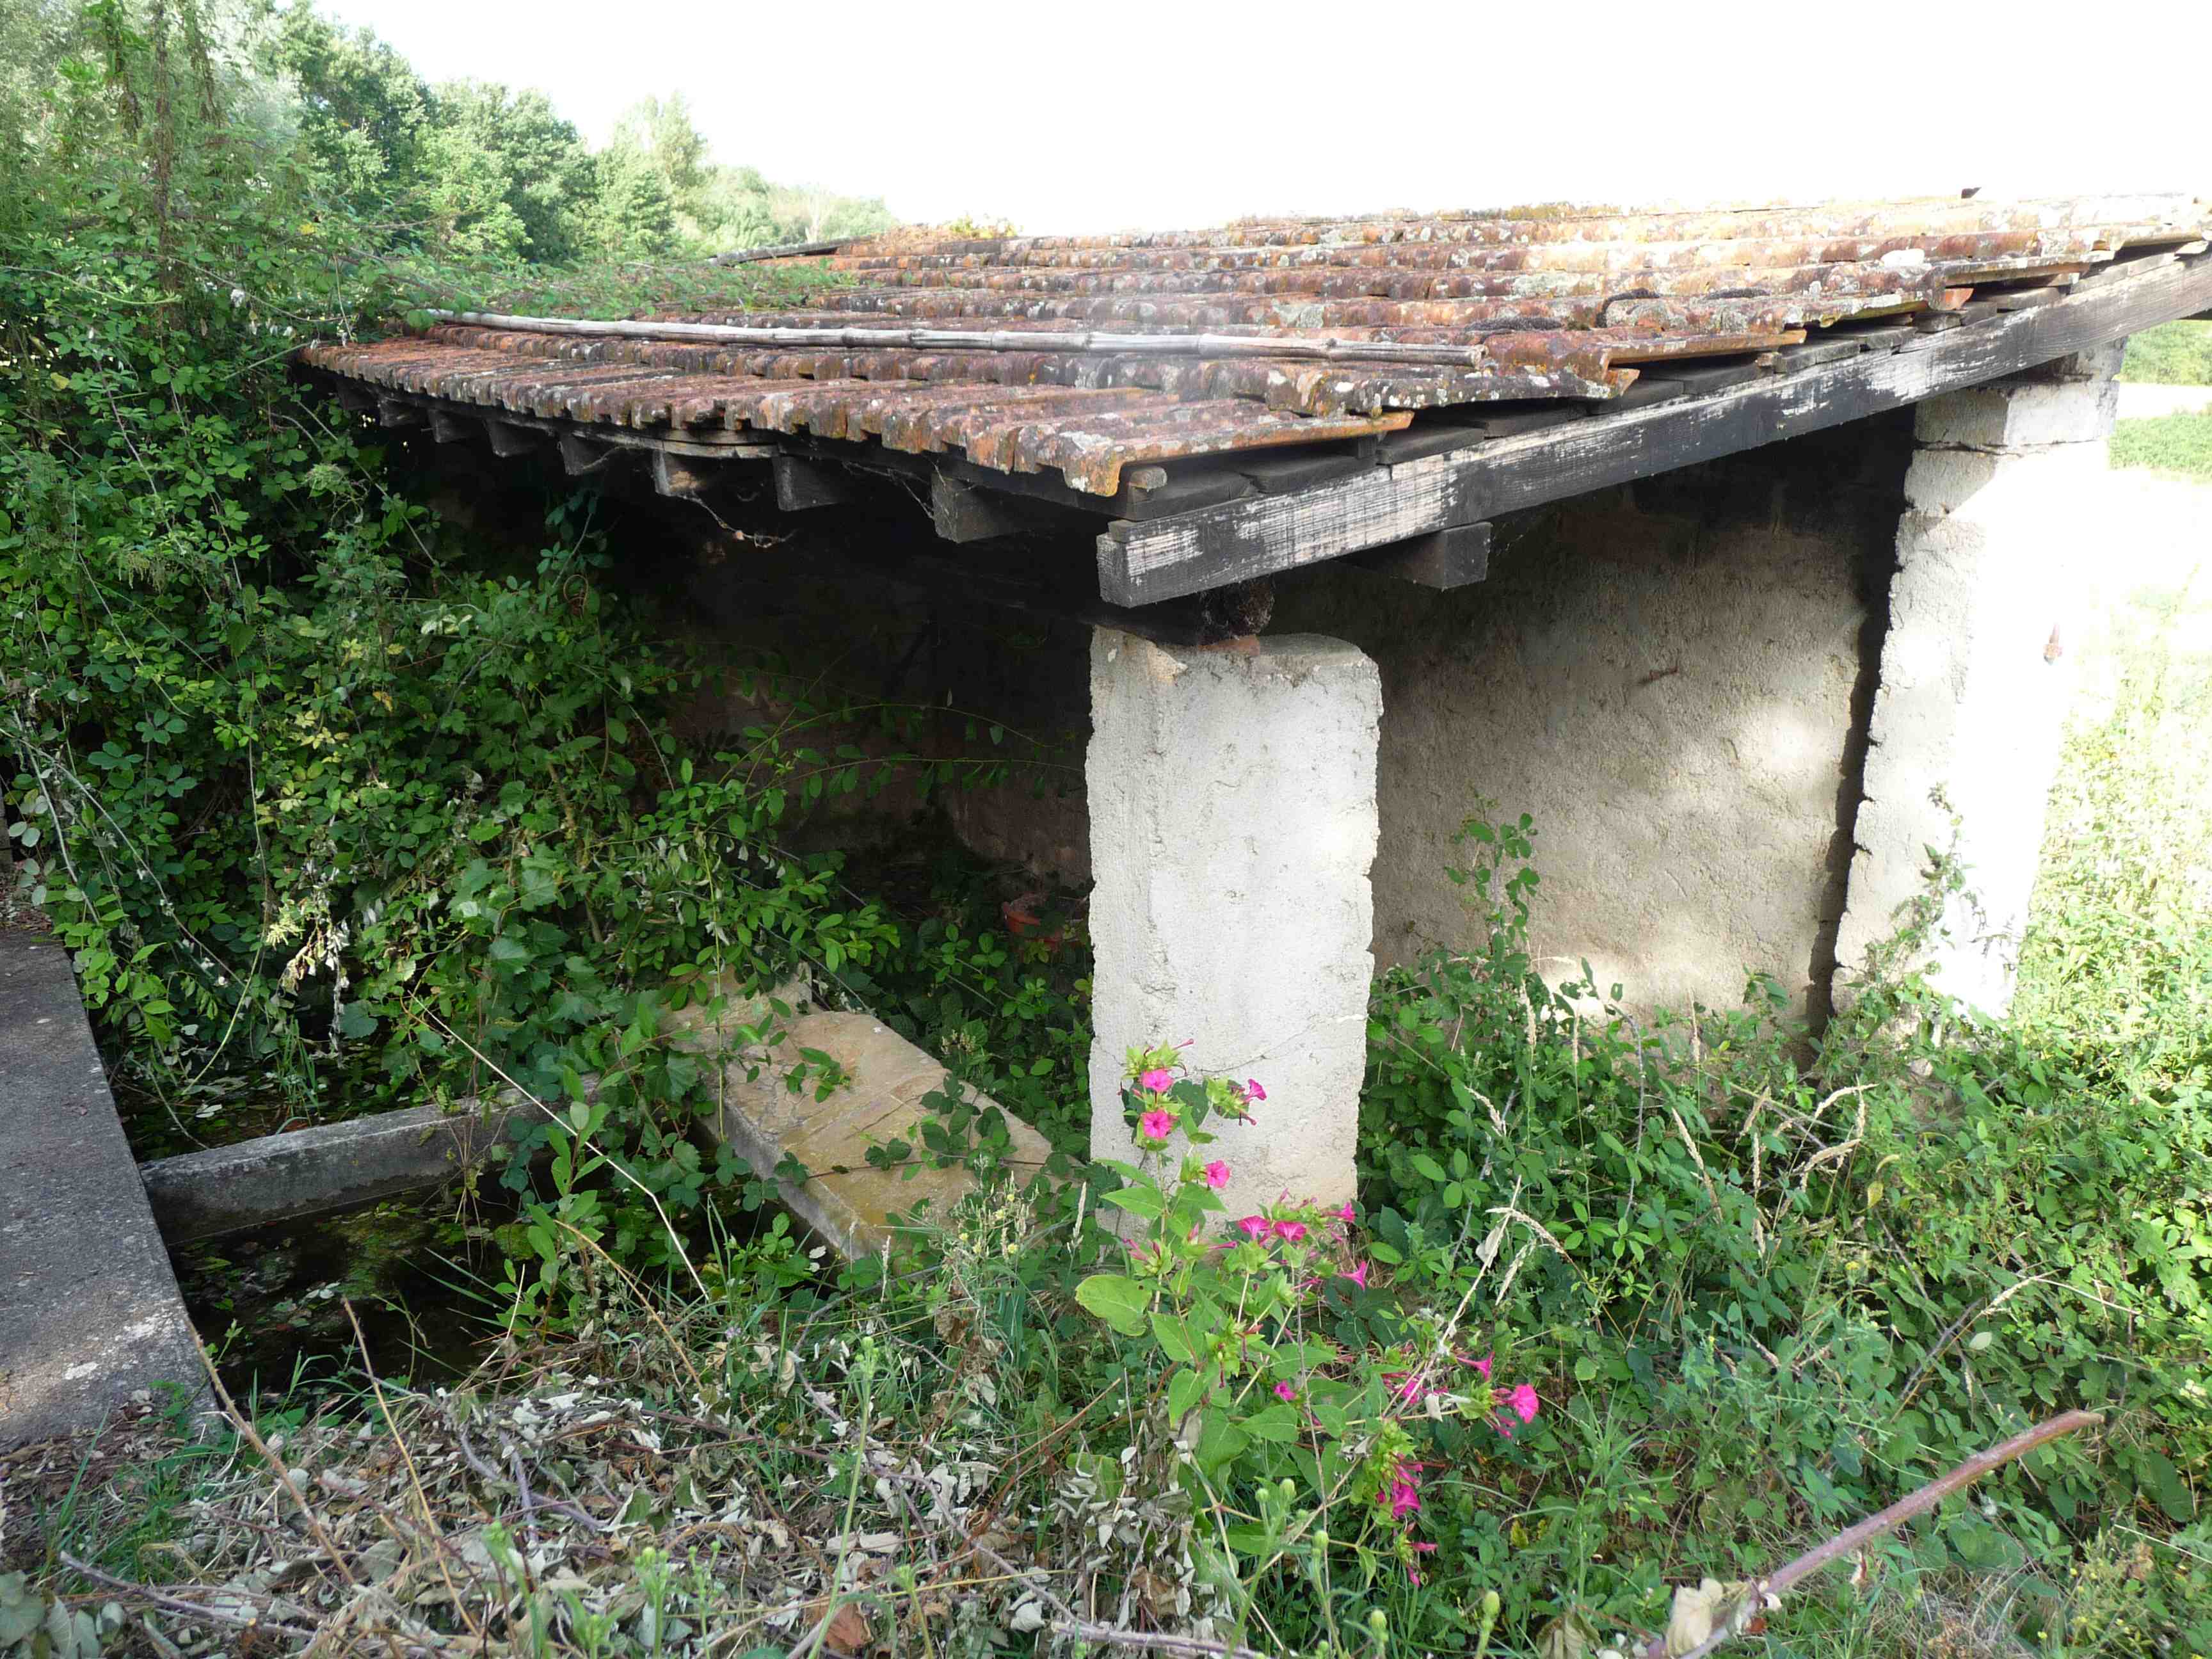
[181, 1607]
[414, 1478]
[1853, 1538]
[245, 1426]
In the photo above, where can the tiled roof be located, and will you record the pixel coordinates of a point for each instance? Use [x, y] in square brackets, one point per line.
[1090, 354]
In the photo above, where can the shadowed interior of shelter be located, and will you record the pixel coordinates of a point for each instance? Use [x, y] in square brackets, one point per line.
[1673, 676]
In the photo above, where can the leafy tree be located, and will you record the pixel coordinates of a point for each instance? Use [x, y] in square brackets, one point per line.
[508, 176]
[361, 110]
[718, 206]
[660, 130]
[633, 215]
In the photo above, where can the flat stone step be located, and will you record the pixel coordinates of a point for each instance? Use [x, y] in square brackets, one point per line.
[850, 1203]
[90, 1312]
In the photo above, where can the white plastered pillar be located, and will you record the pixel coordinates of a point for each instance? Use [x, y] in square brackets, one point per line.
[1232, 829]
[1976, 669]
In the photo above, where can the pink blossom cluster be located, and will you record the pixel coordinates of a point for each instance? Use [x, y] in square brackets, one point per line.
[1156, 1124]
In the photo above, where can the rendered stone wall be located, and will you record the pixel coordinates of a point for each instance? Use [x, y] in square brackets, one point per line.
[1672, 679]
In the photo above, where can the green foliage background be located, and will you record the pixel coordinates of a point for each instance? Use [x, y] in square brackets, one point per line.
[314, 785]
[2173, 354]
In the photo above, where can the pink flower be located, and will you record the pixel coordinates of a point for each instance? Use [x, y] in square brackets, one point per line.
[1406, 1385]
[1482, 1365]
[1345, 1213]
[1522, 1403]
[1402, 1497]
[1215, 1175]
[1253, 1226]
[1157, 1081]
[1284, 1391]
[1156, 1125]
[1358, 1274]
[1253, 1091]
[1293, 1231]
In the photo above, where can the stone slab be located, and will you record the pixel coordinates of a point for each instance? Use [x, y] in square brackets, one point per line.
[89, 1311]
[323, 1170]
[764, 1119]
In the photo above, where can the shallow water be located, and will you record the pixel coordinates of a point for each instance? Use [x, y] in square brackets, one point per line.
[418, 1272]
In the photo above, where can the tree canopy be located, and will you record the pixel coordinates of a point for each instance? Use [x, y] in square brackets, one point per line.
[480, 169]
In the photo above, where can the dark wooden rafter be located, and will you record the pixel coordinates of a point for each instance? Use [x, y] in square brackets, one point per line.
[1143, 562]
[803, 485]
[508, 439]
[969, 513]
[686, 477]
[1443, 559]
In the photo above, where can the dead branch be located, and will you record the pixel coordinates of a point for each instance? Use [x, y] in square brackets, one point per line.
[198, 1611]
[1733, 1620]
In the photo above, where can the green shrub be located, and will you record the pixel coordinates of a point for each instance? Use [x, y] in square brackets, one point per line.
[1772, 1292]
[2173, 354]
[2165, 443]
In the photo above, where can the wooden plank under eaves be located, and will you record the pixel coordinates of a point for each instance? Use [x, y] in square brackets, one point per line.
[1144, 561]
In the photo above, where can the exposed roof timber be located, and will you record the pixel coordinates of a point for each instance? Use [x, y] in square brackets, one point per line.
[1141, 561]
[1443, 559]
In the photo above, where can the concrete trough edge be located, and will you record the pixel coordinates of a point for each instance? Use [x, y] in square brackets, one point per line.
[324, 1170]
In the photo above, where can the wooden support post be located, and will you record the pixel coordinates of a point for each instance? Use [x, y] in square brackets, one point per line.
[800, 485]
[963, 513]
[1443, 559]
[394, 411]
[507, 439]
[448, 428]
[686, 477]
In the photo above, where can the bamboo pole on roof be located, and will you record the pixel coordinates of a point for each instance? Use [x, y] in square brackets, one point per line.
[1329, 350]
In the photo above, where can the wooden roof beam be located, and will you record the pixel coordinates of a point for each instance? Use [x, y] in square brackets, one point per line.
[1142, 562]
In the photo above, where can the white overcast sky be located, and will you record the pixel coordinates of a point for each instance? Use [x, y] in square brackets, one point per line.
[1116, 114]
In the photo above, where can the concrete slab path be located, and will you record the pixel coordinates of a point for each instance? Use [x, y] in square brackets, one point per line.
[90, 1312]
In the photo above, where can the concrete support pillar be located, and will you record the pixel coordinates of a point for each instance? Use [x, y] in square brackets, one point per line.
[1232, 826]
[1977, 667]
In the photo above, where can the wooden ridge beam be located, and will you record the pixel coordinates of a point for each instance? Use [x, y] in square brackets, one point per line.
[1143, 562]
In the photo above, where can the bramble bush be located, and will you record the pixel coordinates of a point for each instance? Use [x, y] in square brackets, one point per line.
[318, 788]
